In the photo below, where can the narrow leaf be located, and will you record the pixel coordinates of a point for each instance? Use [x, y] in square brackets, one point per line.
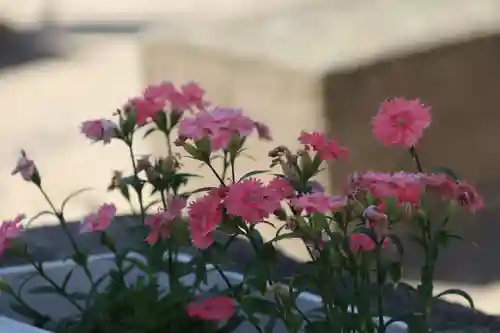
[458, 292]
[252, 173]
[74, 194]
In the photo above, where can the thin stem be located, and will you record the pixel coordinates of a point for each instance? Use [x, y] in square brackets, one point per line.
[138, 191]
[169, 143]
[223, 276]
[224, 165]
[171, 273]
[56, 287]
[233, 172]
[82, 261]
[215, 173]
[414, 155]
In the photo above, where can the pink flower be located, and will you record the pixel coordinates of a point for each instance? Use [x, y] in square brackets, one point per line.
[441, 184]
[401, 122]
[214, 308]
[219, 125]
[252, 200]
[193, 95]
[99, 130]
[281, 187]
[361, 242]
[469, 197]
[9, 230]
[161, 223]
[25, 167]
[99, 220]
[145, 109]
[319, 202]
[326, 149]
[204, 216]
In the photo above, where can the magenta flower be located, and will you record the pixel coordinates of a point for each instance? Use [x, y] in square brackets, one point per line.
[325, 148]
[319, 202]
[215, 308]
[469, 197]
[401, 122]
[252, 200]
[160, 224]
[193, 95]
[100, 220]
[9, 230]
[204, 216]
[99, 130]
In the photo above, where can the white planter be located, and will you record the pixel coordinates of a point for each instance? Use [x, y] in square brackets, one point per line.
[59, 308]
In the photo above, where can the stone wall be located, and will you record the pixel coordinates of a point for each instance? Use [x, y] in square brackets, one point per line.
[462, 84]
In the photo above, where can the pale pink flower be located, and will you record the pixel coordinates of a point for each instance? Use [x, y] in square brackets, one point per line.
[9, 230]
[193, 95]
[25, 167]
[377, 220]
[401, 122]
[325, 148]
[469, 197]
[215, 308]
[99, 220]
[252, 200]
[204, 216]
[319, 202]
[161, 223]
[99, 130]
[219, 125]
[145, 110]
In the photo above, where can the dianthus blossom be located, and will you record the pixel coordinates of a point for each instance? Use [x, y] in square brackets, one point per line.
[325, 148]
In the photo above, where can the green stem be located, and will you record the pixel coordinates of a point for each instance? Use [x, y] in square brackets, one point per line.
[171, 254]
[215, 173]
[138, 191]
[414, 155]
[81, 257]
[233, 172]
[380, 290]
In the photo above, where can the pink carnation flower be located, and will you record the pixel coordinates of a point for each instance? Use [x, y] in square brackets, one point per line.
[25, 167]
[160, 224]
[99, 130]
[193, 95]
[204, 216]
[326, 149]
[319, 202]
[252, 200]
[9, 230]
[215, 308]
[401, 122]
[219, 125]
[145, 110]
[100, 220]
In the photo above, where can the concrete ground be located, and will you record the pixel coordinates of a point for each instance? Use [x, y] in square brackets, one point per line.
[44, 102]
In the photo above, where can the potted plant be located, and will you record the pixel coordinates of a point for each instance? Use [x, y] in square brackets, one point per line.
[155, 288]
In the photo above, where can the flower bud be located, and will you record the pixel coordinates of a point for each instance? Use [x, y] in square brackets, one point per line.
[27, 168]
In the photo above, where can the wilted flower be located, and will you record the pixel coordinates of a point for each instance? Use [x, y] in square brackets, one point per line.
[25, 167]
[99, 130]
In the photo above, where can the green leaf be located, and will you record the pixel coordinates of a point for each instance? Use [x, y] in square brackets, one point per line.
[37, 216]
[399, 245]
[66, 278]
[200, 273]
[73, 195]
[458, 292]
[255, 305]
[395, 272]
[446, 171]
[252, 173]
[29, 313]
[288, 235]
[5, 287]
[148, 132]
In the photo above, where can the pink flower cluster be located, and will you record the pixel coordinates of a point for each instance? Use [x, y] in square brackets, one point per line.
[158, 97]
[249, 199]
[9, 230]
[220, 125]
[408, 188]
[325, 148]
